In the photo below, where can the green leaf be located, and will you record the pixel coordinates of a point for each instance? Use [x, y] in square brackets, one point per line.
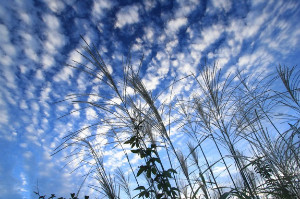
[142, 154]
[159, 185]
[167, 174]
[140, 187]
[149, 162]
[159, 195]
[131, 140]
[148, 151]
[169, 193]
[174, 193]
[166, 186]
[241, 195]
[153, 170]
[142, 168]
[149, 173]
[127, 142]
[172, 170]
[155, 159]
[136, 150]
[195, 194]
[174, 189]
[132, 145]
[147, 194]
[158, 160]
[224, 195]
[142, 194]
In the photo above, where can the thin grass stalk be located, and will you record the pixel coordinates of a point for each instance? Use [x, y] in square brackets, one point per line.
[224, 162]
[196, 160]
[283, 139]
[199, 144]
[211, 81]
[140, 88]
[211, 91]
[267, 116]
[279, 178]
[200, 111]
[124, 183]
[126, 155]
[105, 180]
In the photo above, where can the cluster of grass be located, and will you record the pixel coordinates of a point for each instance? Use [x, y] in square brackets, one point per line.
[252, 127]
[53, 196]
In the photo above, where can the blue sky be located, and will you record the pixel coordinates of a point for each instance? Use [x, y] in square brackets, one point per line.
[39, 37]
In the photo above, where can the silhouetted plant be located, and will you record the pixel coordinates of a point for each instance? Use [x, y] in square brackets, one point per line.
[153, 169]
[53, 196]
[227, 112]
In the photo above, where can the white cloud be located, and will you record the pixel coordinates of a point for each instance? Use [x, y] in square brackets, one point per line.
[222, 61]
[6, 45]
[75, 56]
[81, 82]
[149, 34]
[27, 154]
[224, 4]
[127, 15]
[287, 35]
[64, 75]
[61, 108]
[160, 55]
[149, 4]
[184, 64]
[31, 54]
[100, 6]
[256, 63]
[157, 70]
[31, 45]
[91, 114]
[175, 24]
[23, 105]
[254, 23]
[5, 60]
[10, 77]
[222, 55]
[185, 8]
[4, 120]
[51, 21]
[164, 68]
[39, 75]
[151, 81]
[35, 107]
[136, 47]
[55, 5]
[47, 61]
[246, 59]
[171, 45]
[45, 93]
[209, 36]
[9, 49]
[25, 17]
[55, 39]
[4, 33]
[116, 160]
